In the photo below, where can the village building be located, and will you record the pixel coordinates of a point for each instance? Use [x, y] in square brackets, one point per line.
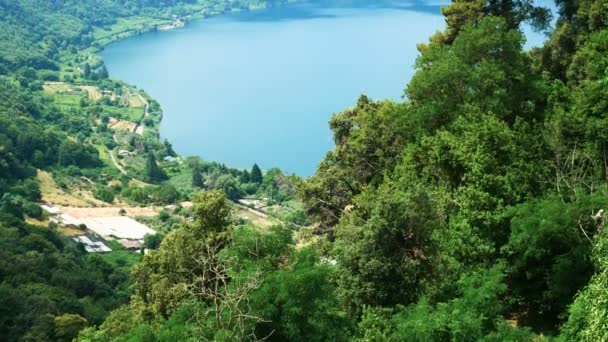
[92, 246]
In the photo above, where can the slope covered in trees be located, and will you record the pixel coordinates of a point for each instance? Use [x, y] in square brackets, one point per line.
[489, 182]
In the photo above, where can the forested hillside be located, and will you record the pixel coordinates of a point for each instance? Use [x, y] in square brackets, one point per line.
[39, 33]
[473, 210]
[476, 208]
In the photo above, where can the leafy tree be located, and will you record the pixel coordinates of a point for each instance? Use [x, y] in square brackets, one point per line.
[103, 72]
[169, 148]
[104, 194]
[550, 238]
[165, 194]
[474, 314]
[163, 281]
[465, 12]
[229, 186]
[86, 70]
[589, 312]
[67, 326]
[53, 288]
[152, 241]
[383, 259]
[72, 153]
[256, 174]
[368, 140]
[299, 303]
[197, 178]
[153, 172]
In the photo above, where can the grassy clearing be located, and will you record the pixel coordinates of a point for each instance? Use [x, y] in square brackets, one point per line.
[67, 101]
[181, 180]
[51, 88]
[57, 89]
[136, 102]
[100, 212]
[123, 125]
[93, 92]
[36, 222]
[135, 166]
[103, 154]
[120, 257]
[70, 231]
[125, 113]
[255, 218]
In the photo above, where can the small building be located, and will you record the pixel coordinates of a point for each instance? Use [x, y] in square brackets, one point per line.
[253, 203]
[92, 246]
[131, 244]
[169, 159]
[120, 227]
[125, 153]
[53, 211]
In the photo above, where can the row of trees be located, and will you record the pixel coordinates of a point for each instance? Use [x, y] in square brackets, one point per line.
[273, 184]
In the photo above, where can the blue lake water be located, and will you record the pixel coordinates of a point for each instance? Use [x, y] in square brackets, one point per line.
[260, 87]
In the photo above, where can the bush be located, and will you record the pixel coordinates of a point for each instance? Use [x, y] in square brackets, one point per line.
[104, 194]
[33, 210]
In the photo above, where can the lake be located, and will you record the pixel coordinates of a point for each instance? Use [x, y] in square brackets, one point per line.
[260, 87]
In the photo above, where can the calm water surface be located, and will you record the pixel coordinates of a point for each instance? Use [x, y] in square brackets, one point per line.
[262, 86]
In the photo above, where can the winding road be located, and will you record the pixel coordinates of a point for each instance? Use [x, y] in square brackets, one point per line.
[118, 166]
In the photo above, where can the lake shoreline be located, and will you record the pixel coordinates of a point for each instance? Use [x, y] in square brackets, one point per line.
[151, 24]
[155, 25]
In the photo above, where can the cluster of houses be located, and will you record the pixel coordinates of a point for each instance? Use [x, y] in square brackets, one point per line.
[127, 153]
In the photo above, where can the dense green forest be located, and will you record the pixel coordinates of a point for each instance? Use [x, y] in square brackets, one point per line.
[473, 210]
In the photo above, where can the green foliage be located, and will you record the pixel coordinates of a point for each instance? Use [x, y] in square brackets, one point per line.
[197, 178]
[163, 279]
[299, 303]
[368, 140]
[152, 241]
[72, 153]
[153, 171]
[550, 238]
[67, 326]
[165, 194]
[479, 197]
[589, 312]
[384, 256]
[229, 186]
[50, 287]
[104, 194]
[475, 312]
[256, 174]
